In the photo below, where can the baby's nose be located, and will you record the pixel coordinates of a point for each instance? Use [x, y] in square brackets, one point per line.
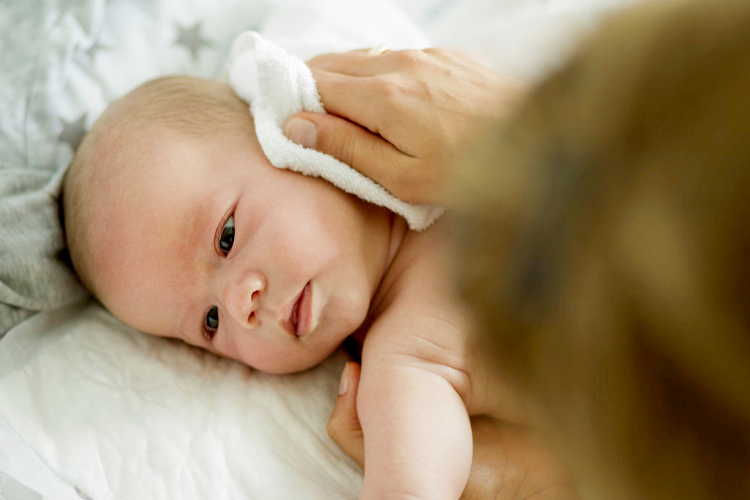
[242, 297]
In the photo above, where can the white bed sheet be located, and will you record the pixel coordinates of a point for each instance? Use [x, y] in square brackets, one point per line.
[92, 409]
[118, 414]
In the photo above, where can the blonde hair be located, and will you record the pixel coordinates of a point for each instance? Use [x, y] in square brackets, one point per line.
[188, 105]
[604, 239]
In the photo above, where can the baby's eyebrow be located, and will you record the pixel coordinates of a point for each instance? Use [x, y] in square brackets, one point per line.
[198, 224]
[200, 232]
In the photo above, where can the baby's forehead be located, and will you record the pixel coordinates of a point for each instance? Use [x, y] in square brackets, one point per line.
[146, 144]
[188, 104]
[128, 169]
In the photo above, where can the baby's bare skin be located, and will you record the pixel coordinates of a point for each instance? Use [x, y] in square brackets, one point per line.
[422, 379]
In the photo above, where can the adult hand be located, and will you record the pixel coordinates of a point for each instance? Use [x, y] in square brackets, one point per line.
[510, 462]
[402, 116]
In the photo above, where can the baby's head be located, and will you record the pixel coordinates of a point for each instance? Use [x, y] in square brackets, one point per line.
[181, 227]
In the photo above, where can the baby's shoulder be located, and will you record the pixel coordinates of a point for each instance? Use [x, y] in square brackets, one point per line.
[417, 313]
[419, 271]
[420, 320]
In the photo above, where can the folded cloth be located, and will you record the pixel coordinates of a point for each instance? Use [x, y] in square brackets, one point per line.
[33, 277]
[278, 85]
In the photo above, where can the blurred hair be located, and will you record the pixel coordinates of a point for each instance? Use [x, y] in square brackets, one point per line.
[188, 105]
[605, 242]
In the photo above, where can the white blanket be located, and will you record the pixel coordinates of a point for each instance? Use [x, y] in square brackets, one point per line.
[120, 415]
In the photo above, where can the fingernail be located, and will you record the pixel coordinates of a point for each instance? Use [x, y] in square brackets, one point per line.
[303, 132]
[344, 384]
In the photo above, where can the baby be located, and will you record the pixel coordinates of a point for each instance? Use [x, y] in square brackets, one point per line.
[181, 227]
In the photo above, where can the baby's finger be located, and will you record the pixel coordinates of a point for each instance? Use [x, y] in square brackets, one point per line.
[343, 426]
[364, 151]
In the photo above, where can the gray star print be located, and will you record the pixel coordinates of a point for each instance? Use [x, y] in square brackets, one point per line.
[73, 133]
[94, 49]
[192, 40]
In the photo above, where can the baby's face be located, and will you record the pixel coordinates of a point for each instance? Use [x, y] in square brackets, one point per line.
[206, 241]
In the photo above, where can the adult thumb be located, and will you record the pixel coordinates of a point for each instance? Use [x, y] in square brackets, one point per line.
[303, 132]
[349, 143]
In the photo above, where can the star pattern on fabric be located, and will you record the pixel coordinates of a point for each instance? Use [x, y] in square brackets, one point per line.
[93, 50]
[192, 40]
[73, 132]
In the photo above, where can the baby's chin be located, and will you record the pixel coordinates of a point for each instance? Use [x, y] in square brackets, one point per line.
[291, 367]
[299, 361]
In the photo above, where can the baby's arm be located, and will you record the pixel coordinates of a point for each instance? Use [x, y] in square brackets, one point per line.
[418, 441]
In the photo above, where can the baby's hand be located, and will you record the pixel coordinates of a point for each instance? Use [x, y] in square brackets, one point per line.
[510, 462]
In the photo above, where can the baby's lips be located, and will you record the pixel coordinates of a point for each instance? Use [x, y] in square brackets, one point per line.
[290, 313]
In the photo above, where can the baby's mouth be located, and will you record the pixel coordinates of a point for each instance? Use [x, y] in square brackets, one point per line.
[302, 312]
[295, 313]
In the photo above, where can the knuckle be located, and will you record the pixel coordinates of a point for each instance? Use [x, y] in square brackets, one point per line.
[411, 57]
[337, 142]
[436, 52]
[389, 89]
[347, 148]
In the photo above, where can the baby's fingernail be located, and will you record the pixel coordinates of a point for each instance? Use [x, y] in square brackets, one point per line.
[303, 132]
[344, 384]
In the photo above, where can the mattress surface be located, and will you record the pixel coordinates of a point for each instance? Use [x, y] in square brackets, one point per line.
[119, 414]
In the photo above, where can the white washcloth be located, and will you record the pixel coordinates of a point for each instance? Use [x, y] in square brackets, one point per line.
[278, 85]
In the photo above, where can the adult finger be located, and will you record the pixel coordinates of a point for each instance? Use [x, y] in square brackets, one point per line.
[369, 50]
[343, 426]
[349, 143]
[367, 101]
[351, 97]
[355, 63]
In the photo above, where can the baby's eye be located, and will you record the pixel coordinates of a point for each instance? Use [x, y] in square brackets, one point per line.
[227, 236]
[211, 323]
